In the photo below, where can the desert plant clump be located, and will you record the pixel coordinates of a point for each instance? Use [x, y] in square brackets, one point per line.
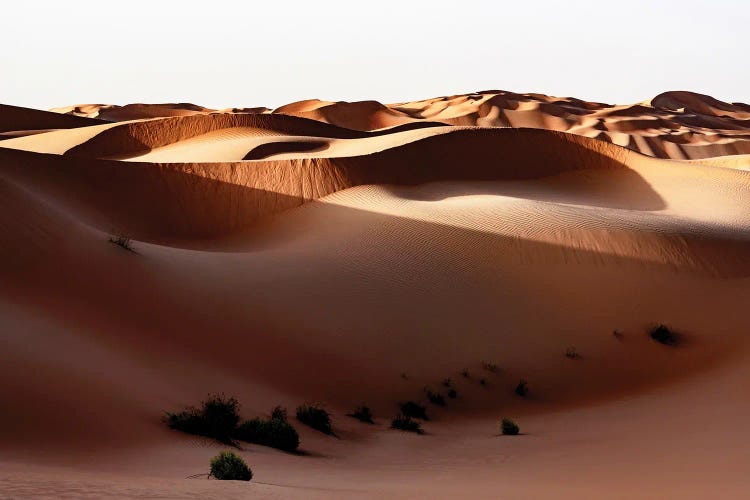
[274, 432]
[483, 382]
[435, 398]
[316, 417]
[618, 334]
[405, 423]
[663, 335]
[465, 373]
[522, 389]
[508, 427]
[413, 410]
[452, 393]
[121, 241]
[490, 367]
[363, 414]
[279, 413]
[572, 353]
[447, 382]
[228, 466]
[217, 418]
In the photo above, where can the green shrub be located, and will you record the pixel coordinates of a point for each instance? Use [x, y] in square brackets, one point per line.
[227, 466]
[363, 414]
[404, 423]
[217, 418]
[414, 410]
[509, 427]
[121, 241]
[572, 353]
[279, 413]
[522, 389]
[274, 432]
[315, 417]
[435, 398]
[664, 335]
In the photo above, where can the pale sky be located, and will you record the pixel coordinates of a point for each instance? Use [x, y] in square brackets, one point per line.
[267, 53]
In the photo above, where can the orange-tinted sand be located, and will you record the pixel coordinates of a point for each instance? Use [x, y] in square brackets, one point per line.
[320, 251]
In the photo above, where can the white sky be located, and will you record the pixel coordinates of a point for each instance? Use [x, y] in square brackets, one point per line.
[250, 53]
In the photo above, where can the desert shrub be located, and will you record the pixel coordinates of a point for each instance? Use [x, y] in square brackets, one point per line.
[447, 382]
[522, 389]
[414, 410]
[435, 398]
[121, 241]
[404, 423]
[465, 373]
[663, 335]
[279, 413]
[274, 432]
[618, 334]
[572, 353]
[509, 427]
[228, 466]
[452, 393]
[217, 418]
[483, 381]
[363, 414]
[315, 417]
[490, 367]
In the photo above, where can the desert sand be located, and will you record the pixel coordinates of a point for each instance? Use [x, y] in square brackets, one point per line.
[350, 253]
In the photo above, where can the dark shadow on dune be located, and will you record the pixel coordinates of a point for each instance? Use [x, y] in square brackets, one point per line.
[281, 147]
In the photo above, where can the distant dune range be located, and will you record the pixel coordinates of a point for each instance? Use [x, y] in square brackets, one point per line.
[352, 253]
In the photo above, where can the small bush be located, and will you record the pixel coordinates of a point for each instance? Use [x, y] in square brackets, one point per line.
[274, 432]
[452, 393]
[414, 410]
[315, 417]
[435, 398]
[217, 418]
[228, 466]
[121, 241]
[572, 353]
[522, 389]
[664, 335]
[509, 427]
[363, 414]
[447, 382]
[618, 334]
[490, 367]
[482, 382]
[279, 413]
[465, 373]
[404, 423]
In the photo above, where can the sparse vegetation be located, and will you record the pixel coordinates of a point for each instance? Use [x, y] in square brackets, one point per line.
[228, 466]
[465, 373]
[435, 398]
[405, 423]
[447, 382]
[452, 393]
[508, 427]
[490, 367]
[663, 335]
[572, 353]
[316, 417]
[522, 389]
[414, 410]
[363, 414]
[274, 432]
[121, 241]
[217, 418]
[483, 382]
[279, 413]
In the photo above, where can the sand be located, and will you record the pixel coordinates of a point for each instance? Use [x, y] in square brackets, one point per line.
[321, 252]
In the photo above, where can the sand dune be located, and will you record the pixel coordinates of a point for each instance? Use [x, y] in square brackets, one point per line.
[325, 250]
